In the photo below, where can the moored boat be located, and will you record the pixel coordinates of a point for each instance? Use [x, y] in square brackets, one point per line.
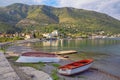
[65, 52]
[34, 57]
[75, 67]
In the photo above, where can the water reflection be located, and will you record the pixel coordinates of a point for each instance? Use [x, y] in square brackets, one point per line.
[50, 43]
[96, 45]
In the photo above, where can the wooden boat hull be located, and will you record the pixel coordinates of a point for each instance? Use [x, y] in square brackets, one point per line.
[74, 71]
[65, 52]
[28, 59]
[75, 67]
[35, 57]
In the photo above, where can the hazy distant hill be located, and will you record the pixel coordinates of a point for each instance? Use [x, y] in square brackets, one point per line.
[45, 17]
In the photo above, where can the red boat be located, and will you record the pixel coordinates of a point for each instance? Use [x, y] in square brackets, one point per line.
[75, 67]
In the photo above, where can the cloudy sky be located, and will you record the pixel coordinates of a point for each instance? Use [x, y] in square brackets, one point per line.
[110, 7]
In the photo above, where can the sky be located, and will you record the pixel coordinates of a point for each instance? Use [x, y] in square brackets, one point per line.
[110, 7]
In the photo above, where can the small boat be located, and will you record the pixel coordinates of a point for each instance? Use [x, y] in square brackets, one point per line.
[34, 57]
[65, 52]
[66, 56]
[75, 67]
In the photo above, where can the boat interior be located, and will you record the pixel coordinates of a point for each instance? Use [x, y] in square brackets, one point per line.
[76, 64]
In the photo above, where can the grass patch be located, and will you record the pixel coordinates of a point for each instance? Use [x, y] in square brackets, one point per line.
[80, 76]
[62, 78]
[14, 58]
[54, 75]
[34, 65]
[56, 65]
[37, 66]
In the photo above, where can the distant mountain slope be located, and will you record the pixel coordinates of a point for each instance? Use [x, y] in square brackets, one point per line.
[39, 16]
[6, 28]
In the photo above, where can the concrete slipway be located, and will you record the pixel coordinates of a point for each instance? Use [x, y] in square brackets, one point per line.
[6, 71]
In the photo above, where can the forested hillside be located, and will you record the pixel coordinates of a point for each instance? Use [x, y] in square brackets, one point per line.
[65, 20]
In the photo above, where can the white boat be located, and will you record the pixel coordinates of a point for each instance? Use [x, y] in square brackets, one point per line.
[34, 57]
[75, 67]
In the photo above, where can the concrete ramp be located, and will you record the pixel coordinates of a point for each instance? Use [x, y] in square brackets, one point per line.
[36, 74]
[6, 71]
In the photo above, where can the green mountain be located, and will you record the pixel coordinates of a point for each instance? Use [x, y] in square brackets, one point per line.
[65, 20]
[10, 16]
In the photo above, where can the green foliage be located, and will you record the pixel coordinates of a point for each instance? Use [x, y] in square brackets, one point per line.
[17, 38]
[38, 35]
[6, 28]
[54, 75]
[14, 58]
[5, 39]
[56, 65]
[34, 65]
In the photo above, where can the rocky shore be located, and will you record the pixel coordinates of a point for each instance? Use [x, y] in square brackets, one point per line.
[50, 70]
[11, 71]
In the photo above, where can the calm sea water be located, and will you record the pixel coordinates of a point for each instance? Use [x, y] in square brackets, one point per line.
[106, 46]
[105, 52]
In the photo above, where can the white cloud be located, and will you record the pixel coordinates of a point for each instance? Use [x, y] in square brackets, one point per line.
[37, 1]
[8, 2]
[74, 3]
[111, 7]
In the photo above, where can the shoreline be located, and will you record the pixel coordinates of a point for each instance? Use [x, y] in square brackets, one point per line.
[37, 40]
[90, 74]
[105, 73]
[91, 71]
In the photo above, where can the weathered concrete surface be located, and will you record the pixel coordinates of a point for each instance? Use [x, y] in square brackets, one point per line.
[6, 71]
[35, 74]
[17, 50]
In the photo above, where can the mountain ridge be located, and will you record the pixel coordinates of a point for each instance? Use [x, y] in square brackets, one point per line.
[39, 16]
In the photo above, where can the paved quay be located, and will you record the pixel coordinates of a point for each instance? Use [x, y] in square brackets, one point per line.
[6, 71]
[35, 74]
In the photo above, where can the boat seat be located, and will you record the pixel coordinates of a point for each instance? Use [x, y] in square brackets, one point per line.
[83, 62]
[78, 64]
